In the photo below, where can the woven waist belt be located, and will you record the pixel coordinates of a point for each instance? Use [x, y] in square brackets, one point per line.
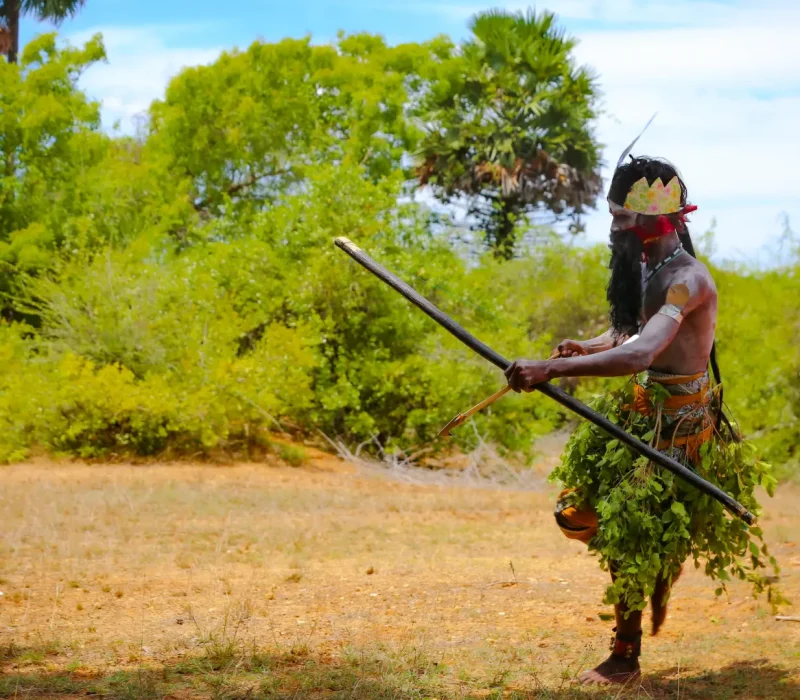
[674, 405]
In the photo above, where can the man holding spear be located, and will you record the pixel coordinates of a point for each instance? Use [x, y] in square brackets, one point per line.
[622, 497]
[643, 523]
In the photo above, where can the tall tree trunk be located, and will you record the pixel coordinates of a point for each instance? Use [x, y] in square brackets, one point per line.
[5, 40]
[502, 233]
[12, 19]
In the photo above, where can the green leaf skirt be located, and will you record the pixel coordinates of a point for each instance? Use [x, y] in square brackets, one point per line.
[648, 520]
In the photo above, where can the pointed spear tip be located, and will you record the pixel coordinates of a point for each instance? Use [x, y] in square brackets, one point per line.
[458, 420]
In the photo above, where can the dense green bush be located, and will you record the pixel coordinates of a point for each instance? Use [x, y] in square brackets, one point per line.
[153, 305]
[270, 326]
[758, 333]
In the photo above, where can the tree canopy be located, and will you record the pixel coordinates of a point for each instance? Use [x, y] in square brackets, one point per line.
[509, 126]
[253, 125]
[177, 292]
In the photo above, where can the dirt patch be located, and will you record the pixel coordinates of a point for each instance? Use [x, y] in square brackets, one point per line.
[322, 581]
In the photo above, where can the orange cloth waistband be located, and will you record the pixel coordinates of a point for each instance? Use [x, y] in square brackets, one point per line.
[679, 379]
[643, 405]
[690, 443]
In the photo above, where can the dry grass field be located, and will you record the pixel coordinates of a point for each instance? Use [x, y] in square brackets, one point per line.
[326, 581]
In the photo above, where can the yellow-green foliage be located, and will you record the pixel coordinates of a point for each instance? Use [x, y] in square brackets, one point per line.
[72, 406]
[181, 290]
[758, 334]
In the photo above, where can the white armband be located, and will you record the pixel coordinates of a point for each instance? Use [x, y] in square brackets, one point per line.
[672, 311]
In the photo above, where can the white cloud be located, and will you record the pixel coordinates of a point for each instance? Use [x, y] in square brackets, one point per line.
[728, 105]
[639, 11]
[140, 65]
[724, 78]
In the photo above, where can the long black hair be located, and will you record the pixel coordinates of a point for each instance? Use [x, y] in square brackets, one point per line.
[625, 290]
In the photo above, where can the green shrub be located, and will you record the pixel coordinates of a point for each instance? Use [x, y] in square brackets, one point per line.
[180, 291]
[291, 454]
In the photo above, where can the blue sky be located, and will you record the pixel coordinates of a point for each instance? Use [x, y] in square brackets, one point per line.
[723, 76]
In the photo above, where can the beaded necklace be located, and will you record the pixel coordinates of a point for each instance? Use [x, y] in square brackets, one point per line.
[666, 261]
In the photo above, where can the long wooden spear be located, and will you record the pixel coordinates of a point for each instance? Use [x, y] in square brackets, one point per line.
[731, 504]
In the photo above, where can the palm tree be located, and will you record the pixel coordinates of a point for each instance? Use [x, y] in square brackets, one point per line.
[11, 11]
[509, 126]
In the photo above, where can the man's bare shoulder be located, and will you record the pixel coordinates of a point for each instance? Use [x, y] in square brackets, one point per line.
[702, 276]
[691, 283]
[693, 273]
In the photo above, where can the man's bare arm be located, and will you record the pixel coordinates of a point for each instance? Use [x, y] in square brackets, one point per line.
[607, 340]
[687, 292]
[626, 359]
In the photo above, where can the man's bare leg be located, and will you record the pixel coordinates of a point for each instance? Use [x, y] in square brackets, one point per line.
[623, 664]
[658, 601]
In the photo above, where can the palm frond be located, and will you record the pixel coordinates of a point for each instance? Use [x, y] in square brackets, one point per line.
[53, 10]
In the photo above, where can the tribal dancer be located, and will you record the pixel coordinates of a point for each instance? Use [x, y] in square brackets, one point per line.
[641, 521]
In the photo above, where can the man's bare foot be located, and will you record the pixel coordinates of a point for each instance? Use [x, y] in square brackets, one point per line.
[658, 602]
[613, 670]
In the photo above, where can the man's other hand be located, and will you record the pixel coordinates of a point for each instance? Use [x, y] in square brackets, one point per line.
[523, 375]
[569, 348]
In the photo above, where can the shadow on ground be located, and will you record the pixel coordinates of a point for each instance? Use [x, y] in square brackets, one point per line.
[364, 676]
[744, 680]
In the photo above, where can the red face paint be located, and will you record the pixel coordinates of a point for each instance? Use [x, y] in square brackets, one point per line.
[664, 226]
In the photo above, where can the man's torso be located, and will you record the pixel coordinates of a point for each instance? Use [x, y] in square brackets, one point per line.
[690, 349]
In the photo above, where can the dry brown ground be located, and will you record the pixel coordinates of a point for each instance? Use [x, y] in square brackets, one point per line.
[325, 581]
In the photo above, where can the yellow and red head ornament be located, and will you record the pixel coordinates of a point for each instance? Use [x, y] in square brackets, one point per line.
[654, 199]
[659, 199]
